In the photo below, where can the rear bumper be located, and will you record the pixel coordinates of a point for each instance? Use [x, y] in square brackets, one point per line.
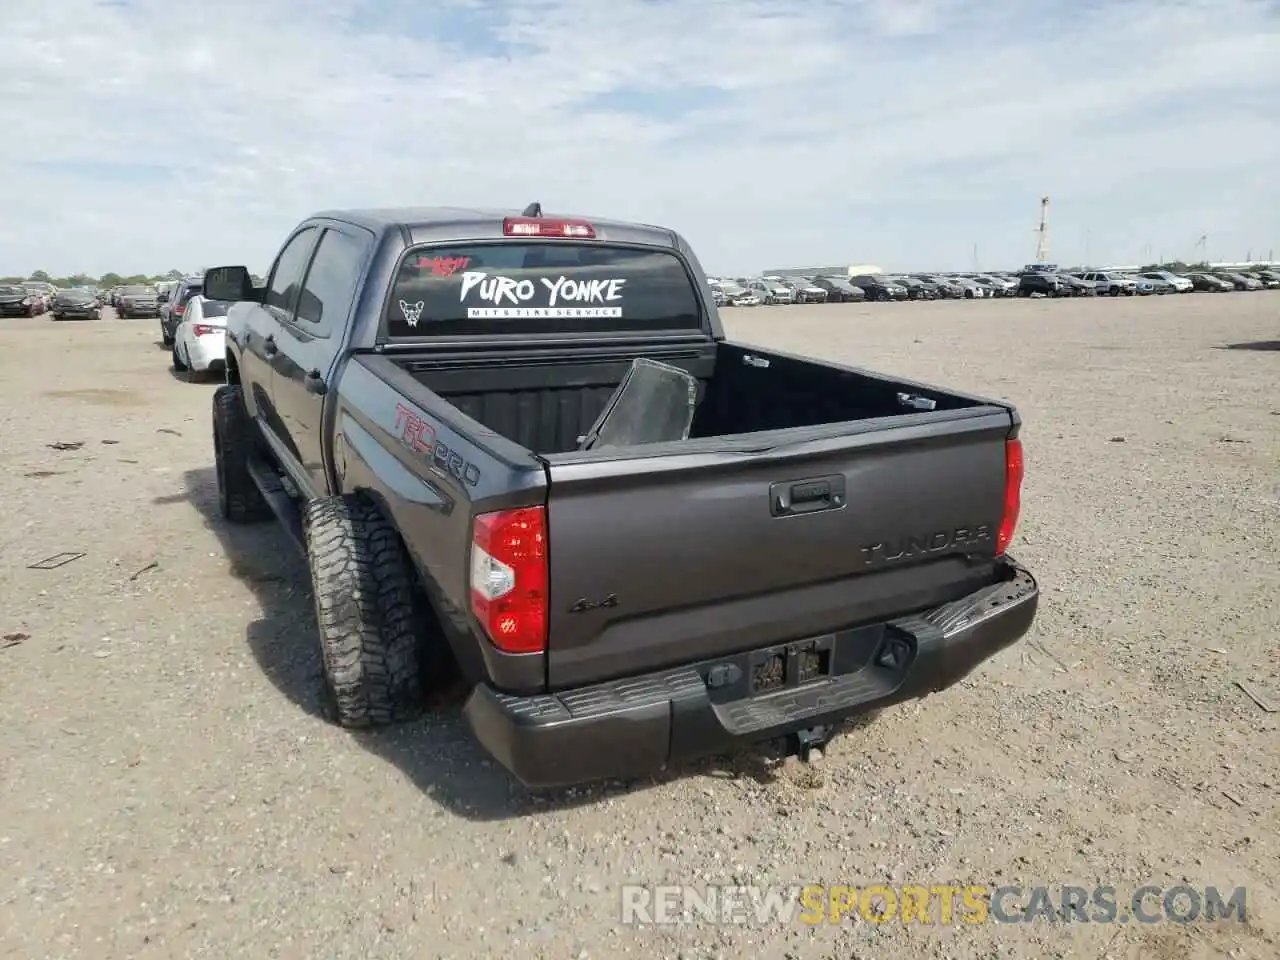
[637, 725]
[207, 353]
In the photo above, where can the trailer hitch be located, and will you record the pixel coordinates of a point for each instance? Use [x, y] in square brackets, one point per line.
[804, 742]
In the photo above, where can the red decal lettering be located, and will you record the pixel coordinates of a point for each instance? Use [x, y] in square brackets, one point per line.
[403, 414]
[415, 433]
[443, 266]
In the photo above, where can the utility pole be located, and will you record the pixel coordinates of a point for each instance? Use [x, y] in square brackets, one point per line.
[1042, 245]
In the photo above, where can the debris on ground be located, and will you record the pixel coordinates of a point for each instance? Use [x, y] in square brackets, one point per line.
[167, 430]
[66, 445]
[13, 639]
[1257, 696]
[154, 564]
[55, 561]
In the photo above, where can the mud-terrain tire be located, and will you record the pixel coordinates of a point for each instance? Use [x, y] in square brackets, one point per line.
[367, 613]
[239, 498]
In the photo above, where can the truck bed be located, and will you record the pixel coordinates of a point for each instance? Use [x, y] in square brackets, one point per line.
[809, 499]
[546, 404]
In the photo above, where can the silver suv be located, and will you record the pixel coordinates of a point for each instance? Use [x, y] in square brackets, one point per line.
[1110, 284]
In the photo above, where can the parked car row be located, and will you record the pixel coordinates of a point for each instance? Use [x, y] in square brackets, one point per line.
[751, 291]
[30, 298]
[1035, 280]
[34, 298]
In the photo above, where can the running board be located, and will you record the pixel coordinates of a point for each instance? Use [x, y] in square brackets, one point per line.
[271, 486]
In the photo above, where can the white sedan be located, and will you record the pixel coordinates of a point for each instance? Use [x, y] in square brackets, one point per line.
[200, 342]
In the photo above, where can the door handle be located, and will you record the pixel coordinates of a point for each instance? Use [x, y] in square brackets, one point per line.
[269, 346]
[315, 383]
[791, 497]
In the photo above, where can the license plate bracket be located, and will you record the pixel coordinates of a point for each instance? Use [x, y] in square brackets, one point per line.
[791, 665]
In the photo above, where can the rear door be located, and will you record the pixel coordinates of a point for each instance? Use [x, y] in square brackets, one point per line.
[261, 330]
[309, 342]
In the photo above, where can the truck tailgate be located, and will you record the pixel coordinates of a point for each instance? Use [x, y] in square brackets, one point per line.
[660, 560]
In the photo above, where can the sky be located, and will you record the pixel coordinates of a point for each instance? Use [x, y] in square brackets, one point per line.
[149, 135]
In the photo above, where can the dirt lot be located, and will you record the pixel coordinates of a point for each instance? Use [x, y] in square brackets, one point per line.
[170, 790]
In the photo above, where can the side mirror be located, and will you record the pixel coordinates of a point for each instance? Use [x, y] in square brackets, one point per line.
[230, 284]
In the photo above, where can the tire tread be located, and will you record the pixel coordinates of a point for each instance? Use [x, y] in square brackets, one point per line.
[366, 612]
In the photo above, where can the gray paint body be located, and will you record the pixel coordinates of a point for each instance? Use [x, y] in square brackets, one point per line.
[681, 534]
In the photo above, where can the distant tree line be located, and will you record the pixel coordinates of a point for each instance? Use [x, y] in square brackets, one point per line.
[1177, 266]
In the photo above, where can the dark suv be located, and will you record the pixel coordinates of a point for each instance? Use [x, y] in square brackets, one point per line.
[173, 304]
[879, 287]
[1035, 281]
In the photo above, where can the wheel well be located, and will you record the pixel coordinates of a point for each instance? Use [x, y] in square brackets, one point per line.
[233, 371]
[446, 663]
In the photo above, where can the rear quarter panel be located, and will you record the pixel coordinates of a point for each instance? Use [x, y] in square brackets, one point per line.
[432, 469]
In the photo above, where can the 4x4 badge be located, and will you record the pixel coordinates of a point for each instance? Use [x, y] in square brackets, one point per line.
[583, 605]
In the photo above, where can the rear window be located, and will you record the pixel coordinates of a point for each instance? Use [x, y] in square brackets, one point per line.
[213, 308]
[540, 287]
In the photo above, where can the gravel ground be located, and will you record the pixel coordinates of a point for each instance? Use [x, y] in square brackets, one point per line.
[169, 789]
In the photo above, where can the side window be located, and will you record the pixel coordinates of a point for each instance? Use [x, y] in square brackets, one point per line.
[331, 282]
[286, 279]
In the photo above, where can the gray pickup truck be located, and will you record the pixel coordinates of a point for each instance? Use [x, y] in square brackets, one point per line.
[409, 395]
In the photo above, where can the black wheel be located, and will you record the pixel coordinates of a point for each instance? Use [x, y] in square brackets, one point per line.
[367, 611]
[178, 365]
[239, 498]
[165, 338]
[1115, 291]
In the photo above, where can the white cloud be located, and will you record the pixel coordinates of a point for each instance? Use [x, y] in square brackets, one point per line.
[159, 133]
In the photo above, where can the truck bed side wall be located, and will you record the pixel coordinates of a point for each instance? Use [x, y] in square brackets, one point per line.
[432, 470]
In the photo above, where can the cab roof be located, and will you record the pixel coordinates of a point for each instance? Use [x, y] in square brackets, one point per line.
[436, 224]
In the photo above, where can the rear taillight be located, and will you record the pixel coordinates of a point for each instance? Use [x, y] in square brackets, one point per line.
[509, 578]
[538, 227]
[1012, 494]
[179, 309]
[202, 329]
